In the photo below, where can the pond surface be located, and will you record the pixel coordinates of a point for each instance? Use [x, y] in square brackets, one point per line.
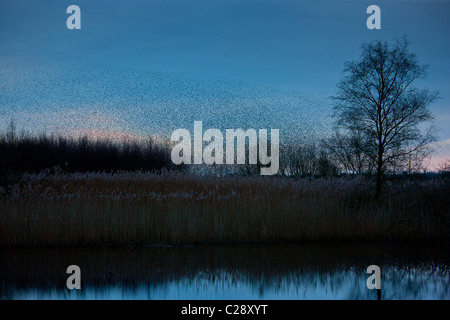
[254, 272]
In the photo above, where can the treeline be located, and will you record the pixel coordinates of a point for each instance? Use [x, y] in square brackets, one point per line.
[26, 153]
[332, 157]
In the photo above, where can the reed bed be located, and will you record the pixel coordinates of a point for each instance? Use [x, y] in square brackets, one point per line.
[138, 208]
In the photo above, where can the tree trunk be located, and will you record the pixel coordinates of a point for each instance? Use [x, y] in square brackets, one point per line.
[378, 187]
[379, 174]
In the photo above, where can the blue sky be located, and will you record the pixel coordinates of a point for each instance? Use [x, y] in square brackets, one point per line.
[149, 67]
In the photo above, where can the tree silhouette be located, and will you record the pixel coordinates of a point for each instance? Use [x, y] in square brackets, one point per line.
[376, 98]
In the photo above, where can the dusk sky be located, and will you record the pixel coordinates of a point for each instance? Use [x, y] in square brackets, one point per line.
[149, 67]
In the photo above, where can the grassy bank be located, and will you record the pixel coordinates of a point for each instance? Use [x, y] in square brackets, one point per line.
[172, 208]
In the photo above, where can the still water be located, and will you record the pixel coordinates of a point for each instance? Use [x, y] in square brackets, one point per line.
[307, 271]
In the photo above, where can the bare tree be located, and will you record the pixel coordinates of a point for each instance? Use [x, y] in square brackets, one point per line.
[376, 98]
[346, 149]
[444, 167]
[298, 160]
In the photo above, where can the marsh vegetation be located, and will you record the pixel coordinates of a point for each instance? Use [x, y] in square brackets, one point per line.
[139, 208]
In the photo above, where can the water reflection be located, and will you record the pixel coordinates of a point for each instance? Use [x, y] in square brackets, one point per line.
[282, 271]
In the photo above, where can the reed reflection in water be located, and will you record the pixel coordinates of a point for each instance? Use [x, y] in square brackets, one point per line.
[307, 271]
